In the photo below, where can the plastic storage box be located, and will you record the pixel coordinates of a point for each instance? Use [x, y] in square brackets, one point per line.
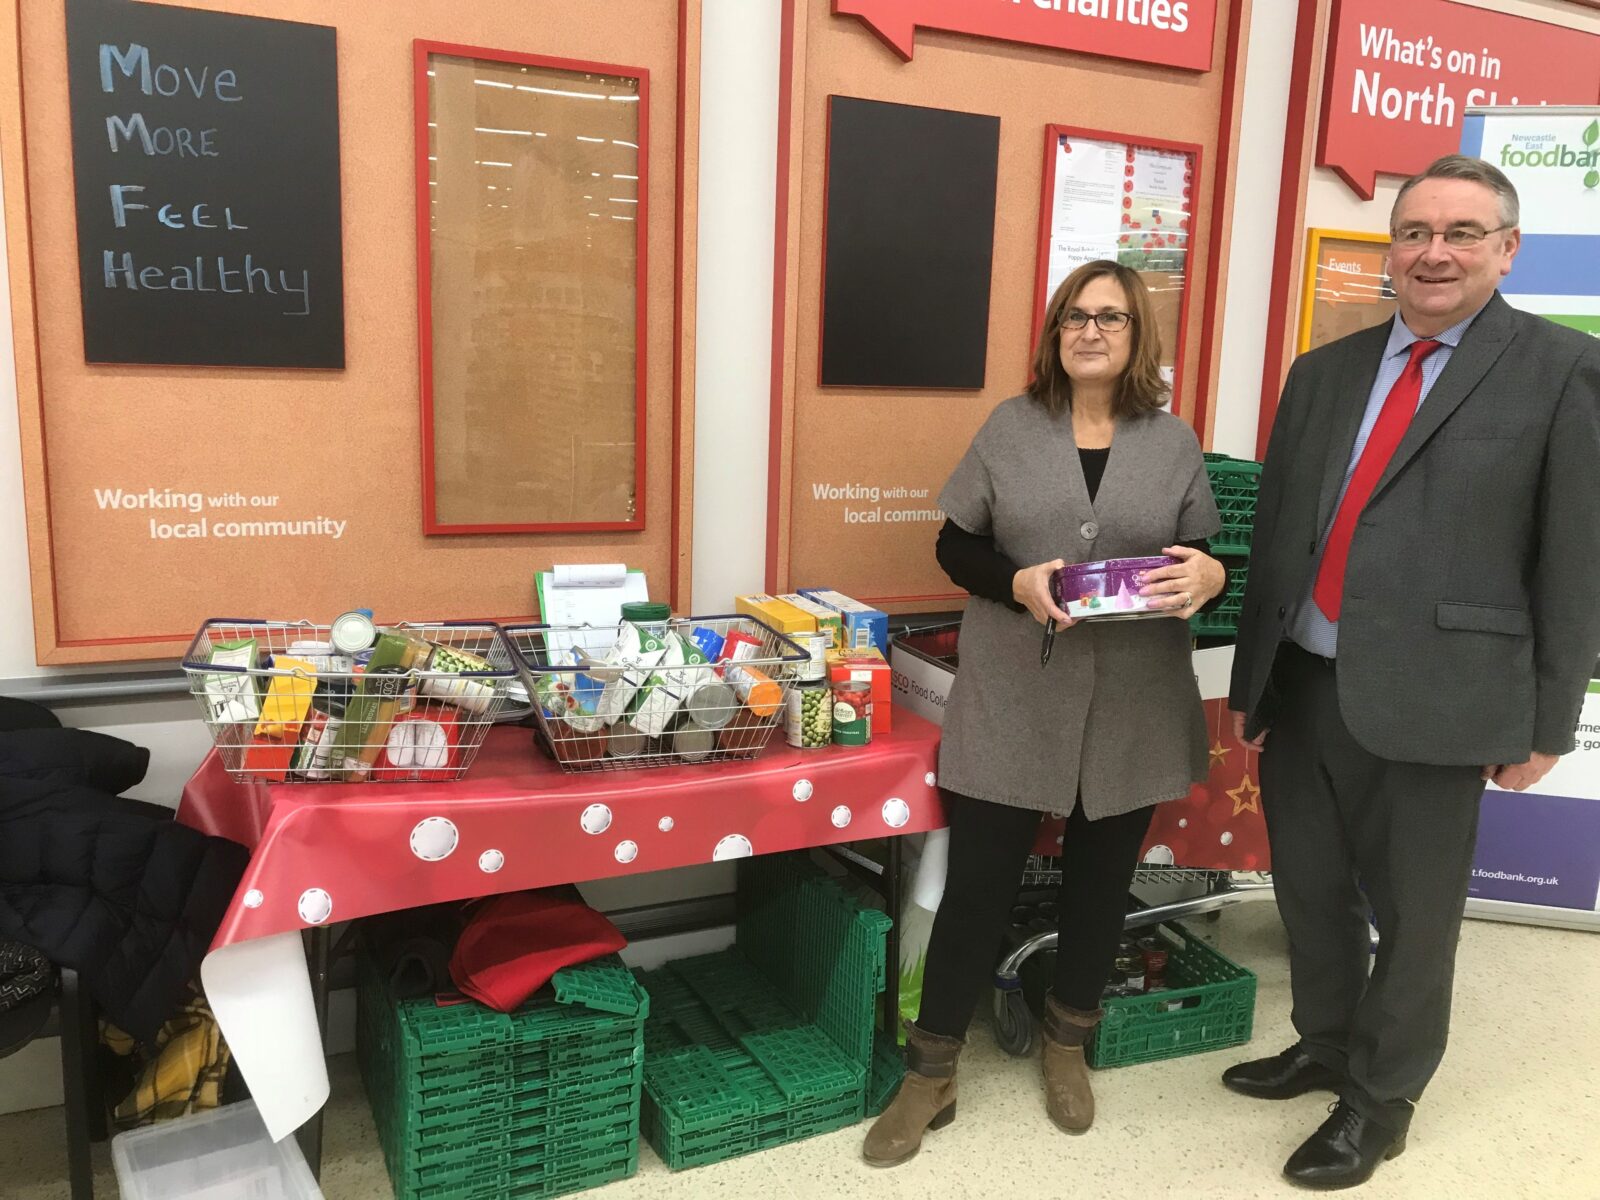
[223, 1154]
[1210, 1003]
[474, 1104]
[773, 1040]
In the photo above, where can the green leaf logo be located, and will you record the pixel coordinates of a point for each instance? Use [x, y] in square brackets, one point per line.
[1592, 133]
[1592, 179]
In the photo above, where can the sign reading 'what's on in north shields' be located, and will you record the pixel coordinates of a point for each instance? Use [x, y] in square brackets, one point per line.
[206, 153]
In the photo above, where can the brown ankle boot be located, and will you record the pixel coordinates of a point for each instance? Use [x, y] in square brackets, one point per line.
[1067, 1095]
[926, 1099]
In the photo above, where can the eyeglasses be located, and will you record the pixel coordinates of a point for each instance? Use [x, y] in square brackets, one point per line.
[1108, 322]
[1457, 237]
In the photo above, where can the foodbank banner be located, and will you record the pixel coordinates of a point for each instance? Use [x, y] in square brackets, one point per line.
[1552, 155]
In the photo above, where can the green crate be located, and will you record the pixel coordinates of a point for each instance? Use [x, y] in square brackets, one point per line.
[888, 1068]
[470, 1103]
[1210, 1004]
[771, 1041]
[1223, 620]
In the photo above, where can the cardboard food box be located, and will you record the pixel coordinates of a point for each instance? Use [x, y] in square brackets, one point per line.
[829, 622]
[867, 664]
[863, 625]
[769, 610]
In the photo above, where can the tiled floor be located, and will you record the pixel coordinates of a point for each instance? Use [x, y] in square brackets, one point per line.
[1514, 1112]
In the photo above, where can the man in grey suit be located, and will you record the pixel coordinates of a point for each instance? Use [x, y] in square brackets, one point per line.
[1422, 615]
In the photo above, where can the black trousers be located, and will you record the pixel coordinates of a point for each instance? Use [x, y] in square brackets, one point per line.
[1349, 831]
[989, 845]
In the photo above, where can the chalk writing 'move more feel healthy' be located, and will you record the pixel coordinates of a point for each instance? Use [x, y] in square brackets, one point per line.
[131, 68]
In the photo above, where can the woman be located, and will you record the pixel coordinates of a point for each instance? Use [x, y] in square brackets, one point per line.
[1083, 466]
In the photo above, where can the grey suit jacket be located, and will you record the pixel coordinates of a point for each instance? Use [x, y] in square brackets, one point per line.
[1471, 612]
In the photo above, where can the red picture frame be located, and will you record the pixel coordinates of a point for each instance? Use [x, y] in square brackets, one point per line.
[421, 50]
[1196, 152]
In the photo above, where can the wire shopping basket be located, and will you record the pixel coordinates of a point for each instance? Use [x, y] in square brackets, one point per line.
[702, 689]
[281, 704]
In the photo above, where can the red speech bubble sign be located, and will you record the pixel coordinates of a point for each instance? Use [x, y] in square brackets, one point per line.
[1400, 76]
[1170, 33]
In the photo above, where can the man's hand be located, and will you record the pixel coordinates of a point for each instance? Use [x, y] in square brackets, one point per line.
[1519, 777]
[1238, 732]
[1030, 587]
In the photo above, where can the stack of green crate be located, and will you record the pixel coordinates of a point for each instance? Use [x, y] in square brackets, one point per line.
[472, 1104]
[771, 1041]
[1235, 484]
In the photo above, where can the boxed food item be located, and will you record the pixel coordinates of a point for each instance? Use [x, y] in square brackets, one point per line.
[288, 699]
[1107, 590]
[866, 666]
[779, 614]
[828, 620]
[863, 625]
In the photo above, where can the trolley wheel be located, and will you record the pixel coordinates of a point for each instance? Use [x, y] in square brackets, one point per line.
[1013, 1023]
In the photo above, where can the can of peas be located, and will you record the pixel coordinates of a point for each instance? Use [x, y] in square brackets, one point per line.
[808, 717]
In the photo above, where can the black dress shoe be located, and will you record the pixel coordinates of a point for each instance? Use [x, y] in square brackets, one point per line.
[1281, 1077]
[1344, 1152]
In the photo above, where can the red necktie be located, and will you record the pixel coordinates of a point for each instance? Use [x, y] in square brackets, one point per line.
[1382, 442]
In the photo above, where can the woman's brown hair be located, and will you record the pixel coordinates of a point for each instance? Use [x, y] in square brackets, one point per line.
[1141, 388]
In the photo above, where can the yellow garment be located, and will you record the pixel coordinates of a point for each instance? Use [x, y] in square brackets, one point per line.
[185, 1073]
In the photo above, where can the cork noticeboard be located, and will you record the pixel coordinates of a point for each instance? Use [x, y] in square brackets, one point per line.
[158, 496]
[532, 185]
[1347, 287]
[856, 471]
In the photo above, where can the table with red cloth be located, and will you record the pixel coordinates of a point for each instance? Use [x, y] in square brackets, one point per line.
[324, 853]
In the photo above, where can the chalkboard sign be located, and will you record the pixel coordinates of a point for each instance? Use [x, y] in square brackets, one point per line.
[910, 245]
[206, 152]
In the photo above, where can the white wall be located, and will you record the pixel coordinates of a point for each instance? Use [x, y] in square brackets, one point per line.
[738, 190]
[1269, 55]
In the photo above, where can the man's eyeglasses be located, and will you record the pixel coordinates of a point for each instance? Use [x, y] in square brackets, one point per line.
[1457, 237]
[1109, 322]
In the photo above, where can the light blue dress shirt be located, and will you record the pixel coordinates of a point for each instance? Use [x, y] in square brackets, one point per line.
[1307, 624]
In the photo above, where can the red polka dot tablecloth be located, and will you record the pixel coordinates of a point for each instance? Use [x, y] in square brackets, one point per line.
[324, 853]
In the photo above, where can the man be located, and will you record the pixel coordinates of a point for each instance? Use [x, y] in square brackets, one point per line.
[1422, 615]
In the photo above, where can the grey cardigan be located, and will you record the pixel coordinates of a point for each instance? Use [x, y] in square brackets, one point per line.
[1115, 718]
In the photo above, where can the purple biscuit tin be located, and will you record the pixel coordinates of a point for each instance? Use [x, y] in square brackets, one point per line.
[1108, 589]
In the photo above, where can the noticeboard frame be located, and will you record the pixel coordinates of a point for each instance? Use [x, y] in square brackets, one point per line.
[1316, 240]
[1196, 152]
[423, 51]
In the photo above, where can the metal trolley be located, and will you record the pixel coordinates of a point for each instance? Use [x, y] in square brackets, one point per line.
[1014, 1021]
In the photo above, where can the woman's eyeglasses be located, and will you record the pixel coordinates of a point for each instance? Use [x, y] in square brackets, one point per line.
[1109, 322]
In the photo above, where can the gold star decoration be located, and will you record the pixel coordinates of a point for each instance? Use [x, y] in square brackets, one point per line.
[1246, 797]
[1219, 753]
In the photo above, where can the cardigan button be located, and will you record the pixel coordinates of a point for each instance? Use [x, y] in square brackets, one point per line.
[1089, 530]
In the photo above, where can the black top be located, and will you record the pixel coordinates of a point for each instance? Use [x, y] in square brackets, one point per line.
[973, 562]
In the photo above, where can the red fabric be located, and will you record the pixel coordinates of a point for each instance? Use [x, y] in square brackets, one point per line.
[338, 851]
[513, 944]
[1393, 421]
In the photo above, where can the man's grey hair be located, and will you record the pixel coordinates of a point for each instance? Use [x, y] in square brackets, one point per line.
[1473, 170]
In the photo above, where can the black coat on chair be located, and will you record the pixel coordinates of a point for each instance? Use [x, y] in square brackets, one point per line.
[111, 887]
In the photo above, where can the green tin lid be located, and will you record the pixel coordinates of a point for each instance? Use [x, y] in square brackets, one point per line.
[646, 610]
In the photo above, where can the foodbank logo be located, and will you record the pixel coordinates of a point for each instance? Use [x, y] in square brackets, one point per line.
[1561, 156]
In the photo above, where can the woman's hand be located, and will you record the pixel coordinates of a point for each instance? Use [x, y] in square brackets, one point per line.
[1030, 587]
[1182, 590]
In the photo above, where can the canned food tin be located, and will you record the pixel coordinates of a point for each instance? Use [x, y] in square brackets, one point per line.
[692, 743]
[712, 704]
[808, 716]
[852, 712]
[816, 665]
[353, 632]
[625, 741]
